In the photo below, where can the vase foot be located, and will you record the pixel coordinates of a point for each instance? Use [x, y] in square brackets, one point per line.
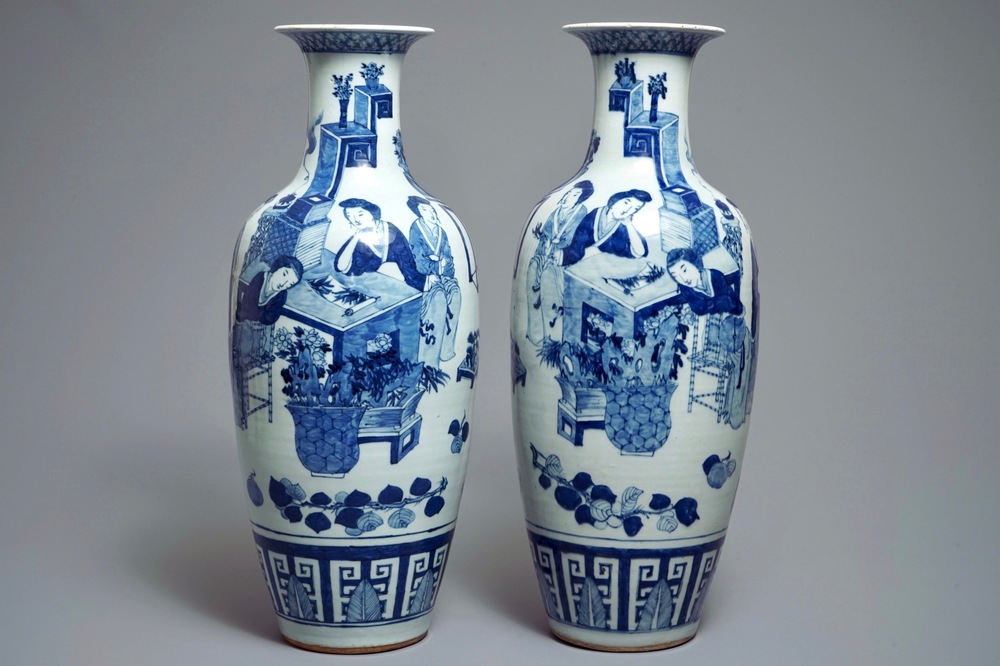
[622, 648]
[372, 649]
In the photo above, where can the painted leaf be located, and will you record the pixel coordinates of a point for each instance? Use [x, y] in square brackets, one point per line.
[632, 525]
[423, 598]
[369, 521]
[456, 444]
[364, 605]
[667, 522]
[321, 499]
[629, 497]
[390, 495]
[401, 518]
[420, 486]
[659, 501]
[553, 466]
[710, 462]
[294, 490]
[299, 604]
[658, 610]
[455, 428]
[349, 516]
[550, 602]
[600, 510]
[357, 498]
[590, 611]
[465, 431]
[731, 467]
[278, 493]
[433, 506]
[318, 522]
[687, 510]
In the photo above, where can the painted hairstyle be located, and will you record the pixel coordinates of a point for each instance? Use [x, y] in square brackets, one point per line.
[641, 195]
[414, 201]
[684, 254]
[285, 261]
[362, 203]
[586, 189]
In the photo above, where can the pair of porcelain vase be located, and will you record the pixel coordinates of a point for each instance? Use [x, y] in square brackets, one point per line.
[355, 354]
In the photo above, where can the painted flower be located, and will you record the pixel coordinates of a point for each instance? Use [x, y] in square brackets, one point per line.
[380, 344]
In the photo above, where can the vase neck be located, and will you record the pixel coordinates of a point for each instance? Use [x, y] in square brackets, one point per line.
[354, 110]
[641, 78]
[646, 106]
[341, 97]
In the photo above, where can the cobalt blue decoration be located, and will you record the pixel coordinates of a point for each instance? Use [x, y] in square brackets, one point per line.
[353, 300]
[634, 336]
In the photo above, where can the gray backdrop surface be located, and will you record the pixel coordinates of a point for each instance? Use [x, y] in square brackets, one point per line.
[860, 138]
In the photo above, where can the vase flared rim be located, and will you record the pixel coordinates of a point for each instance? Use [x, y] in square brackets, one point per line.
[632, 25]
[353, 38]
[352, 27]
[642, 37]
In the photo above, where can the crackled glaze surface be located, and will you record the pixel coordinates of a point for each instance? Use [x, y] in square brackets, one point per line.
[634, 334]
[355, 350]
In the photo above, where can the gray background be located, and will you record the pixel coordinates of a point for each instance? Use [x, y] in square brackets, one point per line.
[859, 138]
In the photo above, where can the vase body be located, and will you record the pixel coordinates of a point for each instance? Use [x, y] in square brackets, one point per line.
[354, 338]
[633, 340]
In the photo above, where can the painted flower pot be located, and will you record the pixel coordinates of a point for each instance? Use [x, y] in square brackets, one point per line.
[326, 438]
[637, 417]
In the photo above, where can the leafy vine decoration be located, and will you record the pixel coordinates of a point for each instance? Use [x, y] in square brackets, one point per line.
[357, 512]
[597, 505]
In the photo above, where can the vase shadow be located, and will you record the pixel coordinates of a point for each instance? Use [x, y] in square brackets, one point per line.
[494, 564]
[193, 545]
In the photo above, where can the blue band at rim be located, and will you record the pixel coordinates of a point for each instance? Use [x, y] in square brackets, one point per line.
[670, 38]
[339, 38]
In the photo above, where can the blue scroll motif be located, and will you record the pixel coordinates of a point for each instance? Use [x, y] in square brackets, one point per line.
[620, 589]
[350, 586]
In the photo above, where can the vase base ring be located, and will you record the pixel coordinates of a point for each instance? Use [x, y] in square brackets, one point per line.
[622, 648]
[370, 649]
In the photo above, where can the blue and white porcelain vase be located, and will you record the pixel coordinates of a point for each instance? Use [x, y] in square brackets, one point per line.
[633, 340]
[355, 348]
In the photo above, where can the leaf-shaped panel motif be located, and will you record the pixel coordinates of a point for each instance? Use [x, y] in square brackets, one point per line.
[299, 604]
[590, 611]
[364, 605]
[550, 602]
[423, 598]
[658, 610]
